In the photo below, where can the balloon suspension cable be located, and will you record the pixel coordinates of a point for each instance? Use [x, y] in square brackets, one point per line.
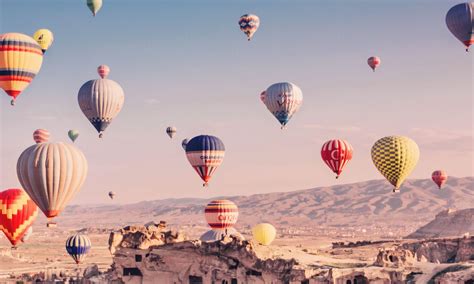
[12, 102]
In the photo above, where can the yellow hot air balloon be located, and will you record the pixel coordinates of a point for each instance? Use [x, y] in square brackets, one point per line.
[44, 38]
[51, 174]
[395, 157]
[20, 60]
[264, 233]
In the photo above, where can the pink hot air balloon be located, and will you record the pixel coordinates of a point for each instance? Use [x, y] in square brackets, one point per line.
[41, 135]
[439, 177]
[373, 62]
[103, 71]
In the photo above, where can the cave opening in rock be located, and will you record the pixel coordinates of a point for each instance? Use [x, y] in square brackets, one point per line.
[359, 279]
[195, 279]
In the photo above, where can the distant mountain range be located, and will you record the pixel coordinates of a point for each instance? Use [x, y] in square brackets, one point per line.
[364, 204]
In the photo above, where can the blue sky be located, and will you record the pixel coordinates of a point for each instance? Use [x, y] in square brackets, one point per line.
[187, 64]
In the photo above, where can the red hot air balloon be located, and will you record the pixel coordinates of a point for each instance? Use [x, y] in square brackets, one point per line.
[41, 135]
[373, 62]
[221, 214]
[439, 177]
[17, 213]
[336, 153]
[103, 71]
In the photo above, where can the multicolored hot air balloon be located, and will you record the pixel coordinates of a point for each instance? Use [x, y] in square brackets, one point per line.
[94, 6]
[439, 177]
[395, 157]
[283, 100]
[460, 22]
[171, 131]
[184, 143]
[111, 194]
[103, 71]
[41, 135]
[73, 134]
[20, 61]
[249, 24]
[44, 38]
[205, 153]
[78, 246]
[373, 62]
[51, 174]
[264, 233]
[100, 100]
[336, 153]
[17, 214]
[221, 214]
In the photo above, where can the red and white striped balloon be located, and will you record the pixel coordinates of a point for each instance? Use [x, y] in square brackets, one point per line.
[221, 214]
[41, 136]
[373, 62]
[336, 153]
[103, 71]
[439, 177]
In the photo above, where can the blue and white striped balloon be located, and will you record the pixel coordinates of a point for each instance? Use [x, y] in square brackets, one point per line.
[283, 100]
[205, 153]
[78, 246]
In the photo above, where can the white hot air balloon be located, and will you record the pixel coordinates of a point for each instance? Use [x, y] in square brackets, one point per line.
[283, 100]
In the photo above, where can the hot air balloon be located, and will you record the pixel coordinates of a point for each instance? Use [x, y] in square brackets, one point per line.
[171, 131]
[17, 214]
[460, 22]
[184, 143]
[221, 214]
[100, 100]
[283, 100]
[205, 153]
[373, 62]
[249, 24]
[264, 233]
[20, 60]
[41, 135]
[78, 246]
[94, 6]
[73, 134]
[336, 153]
[27, 235]
[44, 38]
[111, 194]
[51, 174]
[103, 71]
[217, 235]
[439, 177]
[395, 157]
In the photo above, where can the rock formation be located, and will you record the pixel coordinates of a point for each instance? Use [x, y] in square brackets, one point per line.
[448, 223]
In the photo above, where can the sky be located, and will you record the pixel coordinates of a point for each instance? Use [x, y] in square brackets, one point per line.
[187, 64]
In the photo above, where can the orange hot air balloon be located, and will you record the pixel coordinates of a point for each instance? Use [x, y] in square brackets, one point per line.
[41, 135]
[439, 177]
[17, 213]
[20, 60]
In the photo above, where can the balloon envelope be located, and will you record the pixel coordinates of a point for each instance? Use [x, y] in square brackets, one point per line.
[51, 174]
[283, 100]
[460, 22]
[184, 143]
[101, 100]
[249, 24]
[111, 194]
[44, 38]
[395, 157]
[217, 235]
[73, 134]
[94, 6]
[221, 214]
[20, 61]
[439, 177]
[41, 135]
[103, 71]
[205, 153]
[171, 131]
[336, 153]
[17, 214]
[78, 246]
[374, 62]
[264, 233]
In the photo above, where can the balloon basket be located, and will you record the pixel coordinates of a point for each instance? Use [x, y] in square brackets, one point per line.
[51, 225]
